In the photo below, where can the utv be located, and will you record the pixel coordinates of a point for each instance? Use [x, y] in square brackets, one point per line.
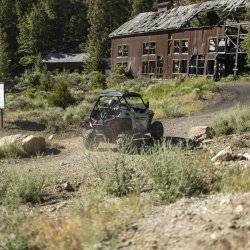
[119, 116]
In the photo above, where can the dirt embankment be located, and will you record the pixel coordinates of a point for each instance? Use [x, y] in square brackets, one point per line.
[230, 96]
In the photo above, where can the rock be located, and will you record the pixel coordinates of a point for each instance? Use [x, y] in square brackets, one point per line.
[34, 144]
[224, 155]
[68, 187]
[51, 137]
[200, 133]
[12, 139]
[245, 157]
[239, 209]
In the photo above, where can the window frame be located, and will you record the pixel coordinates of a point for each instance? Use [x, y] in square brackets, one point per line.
[148, 71]
[123, 49]
[180, 61]
[143, 48]
[217, 39]
[180, 46]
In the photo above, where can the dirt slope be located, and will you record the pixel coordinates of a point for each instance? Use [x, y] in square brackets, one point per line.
[214, 222]
[230, 96]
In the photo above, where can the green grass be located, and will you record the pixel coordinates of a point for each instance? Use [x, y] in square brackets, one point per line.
[236, 121]
[174, 98]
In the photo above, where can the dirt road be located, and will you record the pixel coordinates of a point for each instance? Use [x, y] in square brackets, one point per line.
[230, 96]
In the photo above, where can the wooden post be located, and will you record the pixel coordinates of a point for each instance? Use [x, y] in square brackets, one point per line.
[1, 118]
[237, 54]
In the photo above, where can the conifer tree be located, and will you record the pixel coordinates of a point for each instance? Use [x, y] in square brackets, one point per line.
[4, 56]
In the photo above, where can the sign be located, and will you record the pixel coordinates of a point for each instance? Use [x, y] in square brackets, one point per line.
[2, 101]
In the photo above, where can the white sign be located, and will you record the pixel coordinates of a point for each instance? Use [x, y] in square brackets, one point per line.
[2, 96]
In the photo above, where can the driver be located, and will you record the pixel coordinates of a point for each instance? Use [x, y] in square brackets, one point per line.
[113, 104]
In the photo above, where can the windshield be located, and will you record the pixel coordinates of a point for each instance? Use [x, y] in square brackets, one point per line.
[136, 102]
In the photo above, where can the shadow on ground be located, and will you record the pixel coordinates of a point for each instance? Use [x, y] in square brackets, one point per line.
[27, 126]
[147, 145]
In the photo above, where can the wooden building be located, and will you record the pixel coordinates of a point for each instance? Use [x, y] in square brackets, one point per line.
[65, 62]
[195, 40]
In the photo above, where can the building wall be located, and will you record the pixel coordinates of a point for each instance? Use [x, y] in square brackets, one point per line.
[198, 45]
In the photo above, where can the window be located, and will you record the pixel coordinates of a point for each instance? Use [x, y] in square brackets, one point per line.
[159, 64]
[149, 48]
[197, 65]
[181, 46]
[217, 45]
[210, 67]
[148, 67]
[123, 50]
[180, 66]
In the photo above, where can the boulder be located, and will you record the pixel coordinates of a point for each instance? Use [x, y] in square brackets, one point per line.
[11, 139]
[34, 144]
[201, 133]
[244, 157]
[224, 155]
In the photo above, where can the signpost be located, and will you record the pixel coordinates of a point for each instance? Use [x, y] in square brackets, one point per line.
[2, 103]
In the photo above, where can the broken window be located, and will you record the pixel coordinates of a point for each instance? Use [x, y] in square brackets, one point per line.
[180, 66]
[210, 67]
[148, 67]
[212, 45]
[181, 46]
[217, 45]
[221, 44]
[149, 48]
[197, 65]
[160, 64]
[123, 50]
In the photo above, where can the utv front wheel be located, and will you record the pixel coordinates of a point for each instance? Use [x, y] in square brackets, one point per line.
[157, 130]
[89, 139]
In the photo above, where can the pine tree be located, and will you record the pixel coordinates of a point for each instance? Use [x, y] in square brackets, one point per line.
[139, 6]
[4, 56]
[8, 27]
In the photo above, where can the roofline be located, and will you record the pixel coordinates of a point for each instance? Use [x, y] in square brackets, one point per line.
[166, 31]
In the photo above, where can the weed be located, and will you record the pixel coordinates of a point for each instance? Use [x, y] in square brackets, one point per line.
[12, 150]
[234, 121]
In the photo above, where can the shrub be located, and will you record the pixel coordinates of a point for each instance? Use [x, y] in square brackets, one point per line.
[61, 96]
[176, 174]
[12, 150]
[97, 79]
[234, 121]
[24, 103]
[21, 188]
[119, 177]
[117, 76]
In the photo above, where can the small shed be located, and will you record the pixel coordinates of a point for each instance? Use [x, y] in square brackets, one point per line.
[72, 62]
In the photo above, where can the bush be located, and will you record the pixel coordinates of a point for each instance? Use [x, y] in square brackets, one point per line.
[176, 174]
[117, 76]
[24, 103]
[235, 121]
[12, 150]
[21, 188]
[61, 96]
[97, 79]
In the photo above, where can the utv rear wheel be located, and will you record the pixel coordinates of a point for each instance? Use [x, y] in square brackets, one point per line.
[157, 130]
[89, 139]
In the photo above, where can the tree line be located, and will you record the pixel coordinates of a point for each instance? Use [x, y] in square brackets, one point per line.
[33, 28]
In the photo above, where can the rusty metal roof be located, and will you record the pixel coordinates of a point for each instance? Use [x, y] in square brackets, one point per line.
[174, 18]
